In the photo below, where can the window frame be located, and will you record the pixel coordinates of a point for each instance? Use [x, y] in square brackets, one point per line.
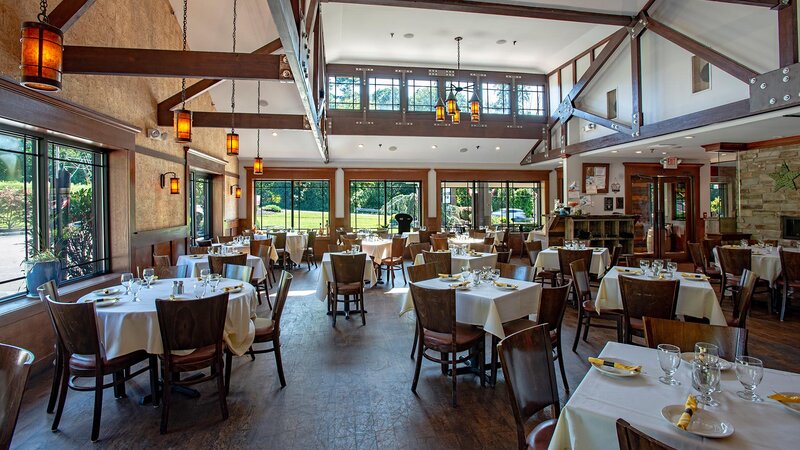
[507, 186]
[373, 87]
[356, 85]
[486, 89]
[387, 186]
[539, 90]
[290, 186]
[206, 179]
[410, 91]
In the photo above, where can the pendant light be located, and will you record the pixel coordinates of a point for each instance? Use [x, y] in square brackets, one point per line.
[42, 53]
[475, 108]
[456, 117]
[258, 163]
[182, 118]
[232, 139]
[440, 110]
[450, 105]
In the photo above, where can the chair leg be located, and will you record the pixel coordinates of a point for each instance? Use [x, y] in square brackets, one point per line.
[482, 360]
[62, 396]
[418, 365]
[166, 388]
[783, 303]
[561, 365]
[228, 364]
[586, 328]
[444, 357]
[153, 361]
[578, 332]
[403, 271]
[266, 293]
[98, 407]
[495, 340]
[416, 336]
[335, 304]
[223, 402]
[363, 316]
[57, 363]
[276, 344]
[252, 353]
[454, 356]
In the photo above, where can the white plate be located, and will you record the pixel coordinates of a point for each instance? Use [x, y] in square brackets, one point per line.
[613, 371]
[106, 291]
[793, 407]
[232, 290]
[461, 288]
[512, 287]
[704, 423]
[687, 357]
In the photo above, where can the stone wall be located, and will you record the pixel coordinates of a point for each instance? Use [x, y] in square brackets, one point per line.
[761, 207]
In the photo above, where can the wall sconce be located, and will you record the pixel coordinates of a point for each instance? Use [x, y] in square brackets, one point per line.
[236, 190]
[174, 182]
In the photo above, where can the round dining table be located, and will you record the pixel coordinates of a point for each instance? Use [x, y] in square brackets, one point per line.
[126, 325]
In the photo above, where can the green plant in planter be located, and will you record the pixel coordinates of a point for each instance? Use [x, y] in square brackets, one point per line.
[42, 266]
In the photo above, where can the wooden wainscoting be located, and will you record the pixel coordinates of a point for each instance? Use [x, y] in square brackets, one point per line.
[166, 241]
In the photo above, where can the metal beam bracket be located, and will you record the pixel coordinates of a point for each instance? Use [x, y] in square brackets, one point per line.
[776, 89]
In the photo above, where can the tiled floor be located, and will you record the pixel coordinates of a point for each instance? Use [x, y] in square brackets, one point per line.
[348, 387]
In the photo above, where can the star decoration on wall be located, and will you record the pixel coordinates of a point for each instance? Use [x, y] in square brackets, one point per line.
[784, 178]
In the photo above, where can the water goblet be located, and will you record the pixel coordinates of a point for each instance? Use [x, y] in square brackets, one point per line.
[672, 267]
[199, 290]
[706, 352]
[744, 243]
[465, 271]
[705, 378]
[669, 357]
[148, 275]
[657, 265]
[126, 280]
[205, 274]
[644, 264]
[136, 286]
[495, 274]
[476, 276]
[750, 372]
[214, 281]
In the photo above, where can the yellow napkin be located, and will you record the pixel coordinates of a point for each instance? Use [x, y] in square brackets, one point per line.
[616, 365]
[106, 299]
[231, 288]
[694, 276]
[783, 398]
[458, 285]
[447, 275]
[505, 285]
[686, 417]
[628, 270]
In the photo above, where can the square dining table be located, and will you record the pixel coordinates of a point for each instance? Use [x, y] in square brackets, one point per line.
[548, 259]
[477, 260]
[326, 275]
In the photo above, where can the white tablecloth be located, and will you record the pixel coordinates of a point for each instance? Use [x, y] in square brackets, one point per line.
[197, 263]
[498, 236]
[377, 249]
[130, 326]
[764, 262]
[413, 237]
[458, 261]
[464, 242]
[296, 243]
[236, 248]
[548, 259]
[588, 420]
[695, 297]
[487, 305]
[326, 275]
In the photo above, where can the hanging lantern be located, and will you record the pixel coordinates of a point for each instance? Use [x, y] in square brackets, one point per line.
[475, 107]
[258, 166]
[42, 53]
[452, 105]
[457, 117]
[182, 121]
[440, 111]
[232, 143]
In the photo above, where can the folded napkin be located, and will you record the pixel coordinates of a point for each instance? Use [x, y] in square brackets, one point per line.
[628, 270]
[686, 417]
[447, 275]
[104, 291]
[505, 285]
[232, 288]
[783, 398]
[106, 299]
[694, 276]
[458, 285]
[616, 365]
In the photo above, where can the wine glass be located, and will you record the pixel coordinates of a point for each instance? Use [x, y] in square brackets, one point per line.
[214, 281]
[669, 357]
[135, 287]
[706, 352]
[644, 264]
[749, 371]
[148, 275]
[495, 274]
[672, 267]
[126, 280]
[205, 274]
[476, 276]
[465, 271]
[705, 378]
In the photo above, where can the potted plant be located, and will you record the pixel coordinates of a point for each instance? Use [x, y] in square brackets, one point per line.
[41, 267]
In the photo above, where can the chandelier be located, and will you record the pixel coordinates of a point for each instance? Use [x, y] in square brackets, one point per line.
[450, 106]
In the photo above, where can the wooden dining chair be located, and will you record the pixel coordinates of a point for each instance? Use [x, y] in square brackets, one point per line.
[503, 257]
[166, 272]
[789, 278]
[417, 248]
[744, 299]
[701, 264]
[566, 257]
[440, 332]
[416, 274]
[161, 261]
[587, 311]
[336, 248]
[482, 248]
[348, 243]
[256, 249]
[196, 325]
[733, 262]
[308, 253]
[527, 361]
[268, 331]
[85, 357]
[46, 290]
[224, 239]
[616, 255]
[488, 240]
[15, 365]
[633, 260]
[503, 246]
[439, 243]
[263, 284]
[516, 272]
[201, 242]
[348, 281]
[533, 248]
[630, 438]
[425, 236]
[651, 298]
[197, 250]
[708, 248]
[477, 234]
[279, 242]
[216, 262]
[237, 272]
[732, 341]
[395, 260]
[443, 260]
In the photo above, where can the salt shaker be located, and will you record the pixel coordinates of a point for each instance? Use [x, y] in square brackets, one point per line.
[180, 287]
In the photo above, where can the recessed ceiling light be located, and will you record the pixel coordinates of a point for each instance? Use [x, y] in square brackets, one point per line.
[408, 35]
[360, 145]
[614, 151]
[501, 41]
[497, 148]
[274, 133]
[463, 150]
[638, 152]
[393, 148]
[663, 153]
[263, 102]
[434, 147]
[688, 137]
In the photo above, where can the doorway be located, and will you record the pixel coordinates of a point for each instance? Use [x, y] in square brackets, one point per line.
[665, 206]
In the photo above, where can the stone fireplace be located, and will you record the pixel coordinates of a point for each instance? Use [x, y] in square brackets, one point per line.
[790, 227]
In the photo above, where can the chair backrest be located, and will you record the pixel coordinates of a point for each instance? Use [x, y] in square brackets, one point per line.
[247, 232]
[527, 360]
[335, 248]
[224, 239]
[439, 243]
[165, 272]
[237, 272]
[651, 298]
[790, 266]
[483, 248]
[632, 439]
[741, 307]
[417, 248]
[312, 239]
[203, 242]
[488, 240]
[435, 309]
[190, 324]
[566, 256]
[425, 236]
[533, 248]
[398, 246]
[77, 328]
[49, 289]
[216, 262]
[580, 276]
[348, 268]
[161, 261]
[197, 250]
[264, 254]
[257, 244]
[504, 257]
[735, 260]
[730, 340]
[708, 247]
[506, 236]
[516, 272]
[477, 234]
[348, 243]
[280, 298]
[15, 365]
[633, 260]
[616, 254]
[422, 272]
[553, 305]
[403, 222]
[279, 240]
[696, 252]
[443, 260]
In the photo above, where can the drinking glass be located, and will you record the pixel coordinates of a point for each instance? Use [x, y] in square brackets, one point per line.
[356, 248]
[215, 279]
[706, 352]
[465, 271]
[148, 275]
[669, 357]
[644, 264]
[205, 274]
[672, 267]
[744, 243]
[495, 274]
[126, 280]
[705, 378]
[749, 371]
[656, 266]
[199, 290]
[476, 276]
[136, 286]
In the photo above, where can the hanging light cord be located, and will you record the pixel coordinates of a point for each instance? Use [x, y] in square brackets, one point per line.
[233, 82]
[183, 80]
[43, 14]
[258, 130]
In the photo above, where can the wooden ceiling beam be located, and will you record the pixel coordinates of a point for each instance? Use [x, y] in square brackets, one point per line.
[787, 35]
[206, 119]
[774, 4]
[169, 63]
[613, 43]
[725, 147]
[499, 9]
[66, 13]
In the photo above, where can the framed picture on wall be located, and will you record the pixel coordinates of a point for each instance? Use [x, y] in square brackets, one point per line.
[611, 104]
[620, 202]
[595, 178]
[701, 75]
[608, 204]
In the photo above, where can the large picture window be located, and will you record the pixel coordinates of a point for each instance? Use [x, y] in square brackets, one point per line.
[52, 197]
[480, 204]
[287, 204]
[200, 205]
[530, 100]
[422, 95]
[496, 98]
[384, 94]
[373, 204]
[344, 93]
